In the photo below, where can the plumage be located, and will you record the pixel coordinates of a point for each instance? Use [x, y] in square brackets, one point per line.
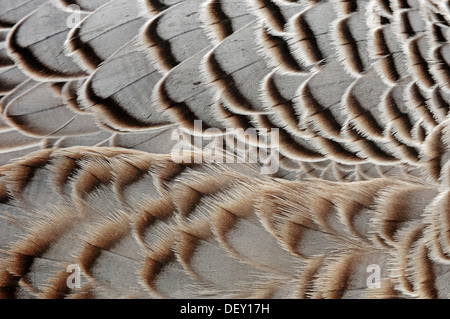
[348, 100]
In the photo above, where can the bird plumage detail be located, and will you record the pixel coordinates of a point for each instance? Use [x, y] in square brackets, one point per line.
[95, 95]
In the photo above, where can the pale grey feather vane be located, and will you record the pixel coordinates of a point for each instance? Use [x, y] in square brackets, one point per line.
[350, 99]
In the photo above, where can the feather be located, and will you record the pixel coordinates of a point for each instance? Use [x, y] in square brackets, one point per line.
[224, 149]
